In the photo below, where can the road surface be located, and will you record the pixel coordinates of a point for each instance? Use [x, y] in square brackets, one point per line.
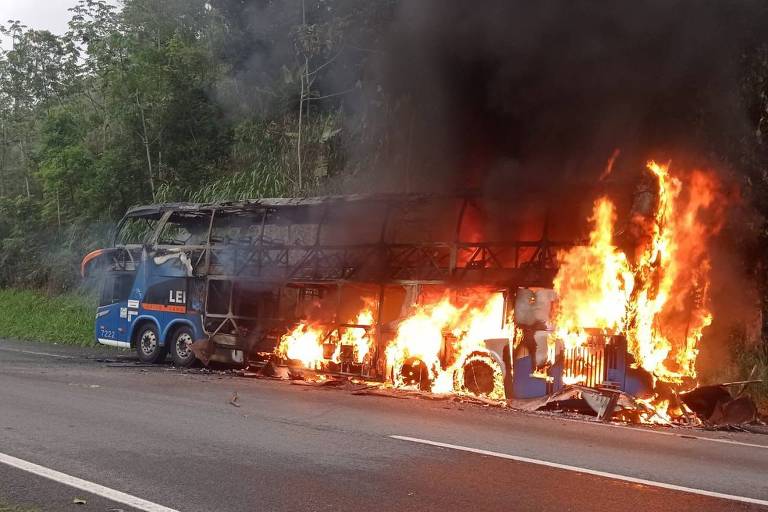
[171, 440]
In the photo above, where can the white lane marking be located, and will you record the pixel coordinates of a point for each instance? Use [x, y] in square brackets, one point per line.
[84, 485]
[593, 472]
[35, 353]
[672, 434]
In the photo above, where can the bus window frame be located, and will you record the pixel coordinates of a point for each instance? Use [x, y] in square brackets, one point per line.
[154, 241]
[149, 240]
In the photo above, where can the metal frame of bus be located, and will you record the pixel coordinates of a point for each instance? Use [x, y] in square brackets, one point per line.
[451, 263]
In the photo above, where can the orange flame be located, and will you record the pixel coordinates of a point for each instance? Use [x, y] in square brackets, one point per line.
[671, 308]
[594, 282]
[358, 337]
[305, 342]
[659, 301]
[441, 326]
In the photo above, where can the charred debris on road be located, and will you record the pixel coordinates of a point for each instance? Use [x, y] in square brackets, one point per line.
[716, 407]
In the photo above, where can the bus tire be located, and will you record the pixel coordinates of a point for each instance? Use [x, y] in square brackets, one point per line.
[148, 347]
[180, 344]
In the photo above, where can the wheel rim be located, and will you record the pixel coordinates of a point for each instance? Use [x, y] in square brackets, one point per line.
[148, 342]
[183, 343]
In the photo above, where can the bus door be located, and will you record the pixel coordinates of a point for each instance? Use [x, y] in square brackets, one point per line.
[112, 315]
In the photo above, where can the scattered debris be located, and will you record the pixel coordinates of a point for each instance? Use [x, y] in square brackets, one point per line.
[356, 385]
[329, 383]
[716, 406]
[387, 393]
[527, 404]
[235, 400]
[131, 365]
[707, 406]
[377, 389]
[738, 411]
[755, 429]
[79, 501]
[203, 350]
[479, 400]
[601, 400]
[272, 370]
[568, 399]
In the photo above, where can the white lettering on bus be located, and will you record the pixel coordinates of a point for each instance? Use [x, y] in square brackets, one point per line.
[176, 297]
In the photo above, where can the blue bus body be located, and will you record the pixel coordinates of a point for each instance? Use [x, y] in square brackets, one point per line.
[151, 293]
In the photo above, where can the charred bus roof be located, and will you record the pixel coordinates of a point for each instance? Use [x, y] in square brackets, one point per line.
[502, 215]
[157, 210]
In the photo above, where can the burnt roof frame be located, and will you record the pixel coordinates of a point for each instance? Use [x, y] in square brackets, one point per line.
[317, 262]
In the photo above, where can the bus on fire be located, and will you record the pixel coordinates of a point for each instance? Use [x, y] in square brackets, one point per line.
[350, 285]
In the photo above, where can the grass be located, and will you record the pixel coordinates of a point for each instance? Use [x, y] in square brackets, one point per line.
[7, 507]
[32, 315]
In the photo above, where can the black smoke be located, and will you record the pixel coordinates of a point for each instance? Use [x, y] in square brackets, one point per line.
[520, 94]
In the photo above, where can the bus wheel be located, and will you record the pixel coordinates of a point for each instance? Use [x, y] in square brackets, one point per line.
[181, 348]
[148, 346]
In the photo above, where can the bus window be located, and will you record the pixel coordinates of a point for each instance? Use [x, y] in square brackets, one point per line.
[241, 228]
[116, 288]
[185, 229]
[136, 231]
[219, 295]
[253, 301]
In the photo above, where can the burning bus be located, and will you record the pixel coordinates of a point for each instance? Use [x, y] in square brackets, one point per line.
[465, 293]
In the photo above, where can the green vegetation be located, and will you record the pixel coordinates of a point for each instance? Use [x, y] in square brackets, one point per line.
[6, 507]
[750, 361]
[32, 315]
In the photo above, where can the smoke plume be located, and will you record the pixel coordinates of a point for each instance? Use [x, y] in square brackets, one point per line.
[518, 94]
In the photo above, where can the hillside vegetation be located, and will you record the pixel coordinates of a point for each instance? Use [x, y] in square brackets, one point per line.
[35, 316]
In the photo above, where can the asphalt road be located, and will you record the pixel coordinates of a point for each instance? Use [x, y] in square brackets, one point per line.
[173, 438]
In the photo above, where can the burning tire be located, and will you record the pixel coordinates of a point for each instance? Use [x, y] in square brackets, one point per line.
[148, 348]
[414, 373]
[480, 374]
[181, 347]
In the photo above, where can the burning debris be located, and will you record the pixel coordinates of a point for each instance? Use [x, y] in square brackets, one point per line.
[313, 345]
